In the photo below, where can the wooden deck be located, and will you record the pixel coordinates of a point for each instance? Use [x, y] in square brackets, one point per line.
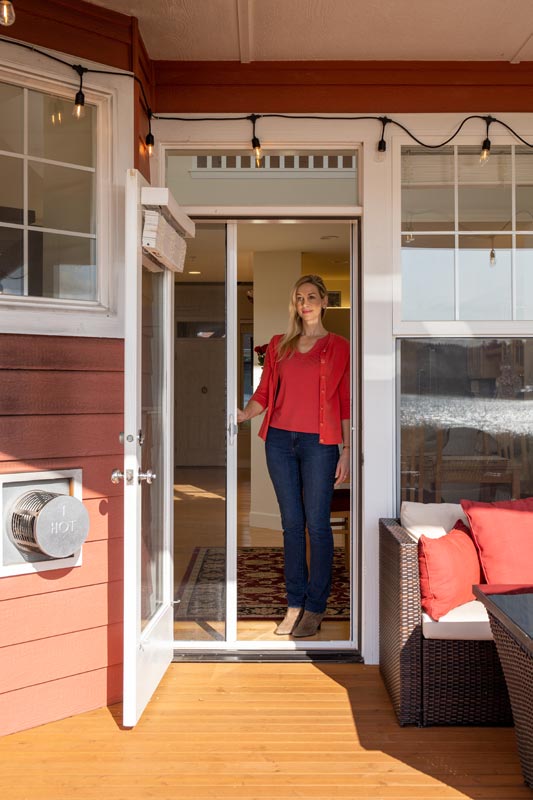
[265, 731]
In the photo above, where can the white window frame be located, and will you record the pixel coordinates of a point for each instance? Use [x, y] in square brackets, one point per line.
[445, 328]
[112, 97]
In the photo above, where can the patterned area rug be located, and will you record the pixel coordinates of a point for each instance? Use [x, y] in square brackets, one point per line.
[260, 585]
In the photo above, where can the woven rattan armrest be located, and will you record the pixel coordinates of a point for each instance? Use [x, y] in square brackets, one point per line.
[400, 620]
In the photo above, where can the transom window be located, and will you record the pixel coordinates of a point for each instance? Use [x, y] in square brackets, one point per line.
[467, 234]
[47, 196]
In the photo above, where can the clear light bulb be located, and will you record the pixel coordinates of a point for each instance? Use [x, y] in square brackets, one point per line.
[79, 106]
[150, 142]
[485, 152]
[492, 257]
[256, 145]
[7, 13]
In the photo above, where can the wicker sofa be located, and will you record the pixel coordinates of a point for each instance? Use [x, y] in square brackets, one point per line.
[430, 681]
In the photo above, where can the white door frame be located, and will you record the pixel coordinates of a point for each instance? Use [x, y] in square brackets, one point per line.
[348, 215]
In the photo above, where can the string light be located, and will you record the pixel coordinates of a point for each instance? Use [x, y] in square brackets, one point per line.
[79, 101]
[7, 17]
[256, 144]
[485, 147]
[492, 257]
[7, 13]
[149, 141]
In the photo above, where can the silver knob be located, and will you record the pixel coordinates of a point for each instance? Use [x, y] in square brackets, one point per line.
[116, 476]
[147, 476]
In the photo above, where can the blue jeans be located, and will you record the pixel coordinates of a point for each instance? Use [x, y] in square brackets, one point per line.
[303, 473]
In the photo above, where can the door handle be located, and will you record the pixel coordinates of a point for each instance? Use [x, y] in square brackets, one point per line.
[147, 476]
[233, 429]
[116, 476]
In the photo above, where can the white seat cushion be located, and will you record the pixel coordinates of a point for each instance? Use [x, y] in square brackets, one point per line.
[432, 519]
[469, 621]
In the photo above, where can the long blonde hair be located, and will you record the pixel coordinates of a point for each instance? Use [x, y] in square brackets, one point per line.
[287, 344]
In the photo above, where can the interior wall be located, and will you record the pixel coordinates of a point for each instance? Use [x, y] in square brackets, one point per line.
[274, 276]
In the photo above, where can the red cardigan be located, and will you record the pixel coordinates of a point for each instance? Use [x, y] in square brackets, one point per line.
[334, 387]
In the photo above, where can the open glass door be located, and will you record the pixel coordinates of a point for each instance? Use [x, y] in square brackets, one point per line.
[147, 475]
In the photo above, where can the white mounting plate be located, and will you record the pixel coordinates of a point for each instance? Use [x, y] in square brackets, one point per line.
[159, 197]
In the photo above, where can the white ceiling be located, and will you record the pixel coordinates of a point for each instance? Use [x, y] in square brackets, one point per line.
[289, 30]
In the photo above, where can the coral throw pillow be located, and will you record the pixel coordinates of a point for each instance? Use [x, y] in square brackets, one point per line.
[503, 535]
[448, 566]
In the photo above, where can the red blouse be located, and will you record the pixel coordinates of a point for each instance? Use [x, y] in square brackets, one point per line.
[334, 387]
[297, 400]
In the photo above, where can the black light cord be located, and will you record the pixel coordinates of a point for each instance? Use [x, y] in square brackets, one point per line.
[253, 118]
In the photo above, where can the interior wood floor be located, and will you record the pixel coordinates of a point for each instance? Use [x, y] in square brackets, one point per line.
[199, 521]
[260, 732]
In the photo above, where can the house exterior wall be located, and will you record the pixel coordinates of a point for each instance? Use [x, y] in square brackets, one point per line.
[61, 407]
[60, 635]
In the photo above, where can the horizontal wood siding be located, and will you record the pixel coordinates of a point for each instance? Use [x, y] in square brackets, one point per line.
[61, 407]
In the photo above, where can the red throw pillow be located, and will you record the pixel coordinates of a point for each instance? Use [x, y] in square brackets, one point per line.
[448, 567]
[503, 535]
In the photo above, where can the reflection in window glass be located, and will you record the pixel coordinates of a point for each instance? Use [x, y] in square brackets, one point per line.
[485, 190]
[524, 277]
[485, 277]
[428, 277]
[11, 190]
[54, 133]
[465, 416]
[11, 261]
[427, 189]
[61, 197]
[12, 115]
[61, 266]
[524, 188]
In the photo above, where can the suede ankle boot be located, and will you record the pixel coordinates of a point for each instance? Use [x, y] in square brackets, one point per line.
[289, 622]
[309, 624]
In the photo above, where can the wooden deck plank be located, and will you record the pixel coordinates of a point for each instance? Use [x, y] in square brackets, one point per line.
[265, 732]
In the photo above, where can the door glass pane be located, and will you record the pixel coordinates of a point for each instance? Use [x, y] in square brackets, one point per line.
[12, 115]
[428, 282]
[232, 178]
[11, 261]
[54, 133]
[61, 198]
[465, 415]
[61, 266]
[427, 189]
[200, 438]
[524, 188]
[485, 190]
[270, 259]
[152, 495]
[485, 277]
[11, 190]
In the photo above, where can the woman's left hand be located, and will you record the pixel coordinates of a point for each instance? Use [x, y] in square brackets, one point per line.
[343, 467]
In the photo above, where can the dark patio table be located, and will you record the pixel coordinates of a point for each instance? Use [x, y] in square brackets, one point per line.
[510, 610]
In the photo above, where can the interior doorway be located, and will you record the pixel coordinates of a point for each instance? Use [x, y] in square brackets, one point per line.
[214, 560]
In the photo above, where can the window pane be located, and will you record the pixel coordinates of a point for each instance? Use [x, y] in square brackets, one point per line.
[11, 190]
[61, 266]
[485, 190]
[485, 277]
[427, 189]
[524, 188]
[11, 261]
[428, 277]
[215, 178]
[465, 415]
[61, 197]
[12, 116]
[524, 277]
[55, 134]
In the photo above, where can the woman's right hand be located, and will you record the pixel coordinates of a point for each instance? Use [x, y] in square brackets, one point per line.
[241, 416]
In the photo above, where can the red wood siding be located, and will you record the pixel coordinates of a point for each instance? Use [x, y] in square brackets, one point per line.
[61, 404]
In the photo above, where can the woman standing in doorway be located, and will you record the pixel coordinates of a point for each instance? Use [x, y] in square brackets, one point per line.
[305, 390]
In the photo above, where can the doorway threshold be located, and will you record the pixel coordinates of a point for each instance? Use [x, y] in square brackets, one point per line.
[269, 656]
